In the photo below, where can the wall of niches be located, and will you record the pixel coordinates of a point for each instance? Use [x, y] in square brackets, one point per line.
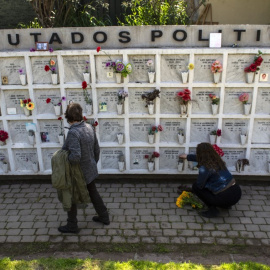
[22, 155]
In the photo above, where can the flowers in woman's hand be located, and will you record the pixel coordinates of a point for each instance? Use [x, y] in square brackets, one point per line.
[27, 103]
[84, 84]
[218, 150]
[214, 98]
[244, 98]
[216, 67]
[3, 135]
[188, 198]
[255, 66]
[184, 96]
[155, 129]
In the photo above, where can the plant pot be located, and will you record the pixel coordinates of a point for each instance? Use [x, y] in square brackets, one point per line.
[180, 166]
[119, 108]
[151, 166]
[217, 77]
[5, 167]
[3, 143]
[151, 76]
[35, 167]
[26, 111]
[250, 77]
[151, 138]
[213, 139]
[31, 139]
[118, 77]
[238, 166]
[151, 108]
[120, 138]
[184, 76]
[23, 79]
[183, 109]
[54, 78]
[57, 110]
[243, 139]
[214, 109]
[61, 139]
[181, 138]
[121, 165]
[86, 77]
[247, 108]
[89, 109]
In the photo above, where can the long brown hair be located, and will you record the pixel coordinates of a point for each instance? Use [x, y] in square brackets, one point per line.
[209, 158]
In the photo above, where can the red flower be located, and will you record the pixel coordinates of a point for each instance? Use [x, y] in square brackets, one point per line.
[3, 135]
[153, 128]
[25, 101]
[253, 67]
[84, 84]
[186, 97]
[28, 100]
[60, 118]
[210, 95]
[156, 154]
[48, 100]
[47, 68]
[146, 156]
[180, 94]
[218, 150]
[219, 132]
[160, 128]
[258, 61]
[98, 49]
[186, 91]
[84, 118]
[95, 124]
[247, 69]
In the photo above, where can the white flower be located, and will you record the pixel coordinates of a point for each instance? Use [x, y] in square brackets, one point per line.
[150, 63]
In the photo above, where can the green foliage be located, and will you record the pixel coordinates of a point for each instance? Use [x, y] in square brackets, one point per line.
[154, 12]
[31, 24]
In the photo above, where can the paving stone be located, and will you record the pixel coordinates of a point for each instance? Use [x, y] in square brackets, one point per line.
[14, 239]
[208, 240]
[162, 240]
[193, 240]
[118, 239]
[224, 241]
[252, 227]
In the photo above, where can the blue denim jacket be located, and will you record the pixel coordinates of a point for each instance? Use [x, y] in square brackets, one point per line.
[210, 179]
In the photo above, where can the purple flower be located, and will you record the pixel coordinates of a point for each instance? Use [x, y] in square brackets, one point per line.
[53, 69]
[113, 64]
[51, 50]
[108, 64]
[21, 71]
[63, 98]
[32, 50]
[59, 104]
[120, 67]
[87, 62]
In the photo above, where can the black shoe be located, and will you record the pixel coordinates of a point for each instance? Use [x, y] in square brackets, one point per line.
[212, 212]
[65, 229]
[99, 219]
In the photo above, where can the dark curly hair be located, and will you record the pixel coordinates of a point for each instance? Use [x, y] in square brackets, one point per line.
[209, 158]
[74, 113]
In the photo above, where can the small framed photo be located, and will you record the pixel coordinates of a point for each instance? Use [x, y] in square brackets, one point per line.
[42, 46]
[263, 77]
[4, 80]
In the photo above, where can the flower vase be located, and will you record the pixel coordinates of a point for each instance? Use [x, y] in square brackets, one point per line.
[180, 166]
[118, 77]
[151, 76]
[213, 139]
[119, 108]
[23, 79]
[86, 77]
[35, 167]
[61, 139]
[120, 138]
[89, 109]
[250, 77]
[183, 109]
[181, 138]
[217, 77]
[247, 108]
[121, 165]
[5, 167]
[31, 139]
[151, 138]
[184, 76]
[243, 139]
[26, 111]
[54, 78]
[214, 109]
[57, 110]
[151, 166]
[2, 143]
[151, 108]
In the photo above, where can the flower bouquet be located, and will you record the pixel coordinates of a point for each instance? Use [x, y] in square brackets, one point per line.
[22, 76]
[57, 106]
[218, 150]
[51, 67]
[151, 74]
[3, 137]
[87, 99]
[185, 73]
[151, 160]
[216, 69]
[215, 102]
[184, 97]
[152, 131]
[121, 99]
[27, 106]
[254, 67]
[244, 99]
[188, 198]
[214, 134]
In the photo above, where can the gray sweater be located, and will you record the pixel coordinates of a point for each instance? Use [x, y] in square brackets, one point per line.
[83, 148]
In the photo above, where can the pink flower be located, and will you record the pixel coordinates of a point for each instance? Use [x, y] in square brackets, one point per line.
[244, 98]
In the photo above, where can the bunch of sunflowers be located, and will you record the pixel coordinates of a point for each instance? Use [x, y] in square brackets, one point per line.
[188, 198]
[27, 103]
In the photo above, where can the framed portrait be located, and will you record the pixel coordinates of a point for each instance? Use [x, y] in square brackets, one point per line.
[263, 77]
[42, 46]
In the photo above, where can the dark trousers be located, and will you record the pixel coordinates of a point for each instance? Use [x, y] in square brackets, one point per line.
[223, 199]
[97, 203]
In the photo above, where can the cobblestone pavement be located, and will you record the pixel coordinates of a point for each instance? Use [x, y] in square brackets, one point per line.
[140, 213]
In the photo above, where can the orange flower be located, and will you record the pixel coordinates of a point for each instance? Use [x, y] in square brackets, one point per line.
[52, 62]
[30, 106]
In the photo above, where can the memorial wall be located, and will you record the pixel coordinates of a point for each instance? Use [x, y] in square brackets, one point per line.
[164, 107]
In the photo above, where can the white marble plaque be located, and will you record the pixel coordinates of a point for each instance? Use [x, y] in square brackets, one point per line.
[74, 67]
[109, 157]
[10, 67]
[76, 95]
[231, 156]
[169, 157]
[109, 96]
[47, 154]
[261, 131]
[1, 125]
[172, 65]
[171, 128]
[24, 159]
[232, 104]
[236, 65]
[101, 69]
[39, 74]
[202, 67]
[259, 160]
[139, 129]
[232, 128]
[140, 70]
[13, 97]
[169, 103]
[3, 156]
[108, 129]
[41, 96]
[201, 128]
[265, 67]
[263, 101]
[137, 158]
[201, 101]
[18, 132]
[136, 103]
[53, 127]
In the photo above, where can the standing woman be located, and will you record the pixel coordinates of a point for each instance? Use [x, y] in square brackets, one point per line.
[215, 185]
[83, 148]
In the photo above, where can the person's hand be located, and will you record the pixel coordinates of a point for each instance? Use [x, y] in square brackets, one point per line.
[183, 156]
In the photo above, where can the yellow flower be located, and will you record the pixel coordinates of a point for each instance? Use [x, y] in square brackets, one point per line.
[30, 106]
[193, 206]
[214, 97]
[21, 102]
[190, 66]
[52, 62]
